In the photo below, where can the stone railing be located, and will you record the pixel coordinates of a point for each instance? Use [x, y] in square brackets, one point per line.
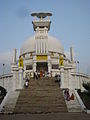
[80, 101]
[78, 79]
[6, 75]
[80, 74]
[6, 81]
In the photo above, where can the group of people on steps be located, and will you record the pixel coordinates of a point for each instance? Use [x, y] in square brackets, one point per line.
[27, 79]
[67, 95]
[66, 91]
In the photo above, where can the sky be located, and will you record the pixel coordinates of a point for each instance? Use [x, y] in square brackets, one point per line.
[70, 24]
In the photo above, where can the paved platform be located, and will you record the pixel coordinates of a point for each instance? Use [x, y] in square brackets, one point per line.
[51, 116]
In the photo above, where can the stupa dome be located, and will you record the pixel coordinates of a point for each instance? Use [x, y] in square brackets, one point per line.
[53, 45]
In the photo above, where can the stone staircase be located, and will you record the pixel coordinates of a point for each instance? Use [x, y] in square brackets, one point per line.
[42, 96]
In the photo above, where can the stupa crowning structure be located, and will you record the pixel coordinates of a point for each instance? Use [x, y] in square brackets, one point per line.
[44, 49]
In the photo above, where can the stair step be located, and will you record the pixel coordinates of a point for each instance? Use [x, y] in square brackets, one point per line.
[41, 96]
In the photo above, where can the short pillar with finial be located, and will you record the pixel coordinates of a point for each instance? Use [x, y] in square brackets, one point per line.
[14, 70]
[61, 71]
[62, 77]
[41, 26]
[21, 82]
[72, 53]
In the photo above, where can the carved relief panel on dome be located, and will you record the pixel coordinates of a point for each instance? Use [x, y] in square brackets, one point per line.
[41, 44]
[41, 37]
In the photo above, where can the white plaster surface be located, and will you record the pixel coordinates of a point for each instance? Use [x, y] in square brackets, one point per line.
[10, 102]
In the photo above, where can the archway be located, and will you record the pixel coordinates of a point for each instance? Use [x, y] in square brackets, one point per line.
[42, 67]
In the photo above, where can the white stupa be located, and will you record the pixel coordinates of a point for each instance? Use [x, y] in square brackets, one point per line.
[44, 54]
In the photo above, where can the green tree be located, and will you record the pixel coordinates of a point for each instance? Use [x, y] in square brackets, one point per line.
[2, 93]
[87, 87]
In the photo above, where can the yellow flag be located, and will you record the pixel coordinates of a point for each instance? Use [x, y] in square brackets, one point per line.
[61, 60]
[20, 62]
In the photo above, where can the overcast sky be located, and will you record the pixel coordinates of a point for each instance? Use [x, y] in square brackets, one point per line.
[70, 24]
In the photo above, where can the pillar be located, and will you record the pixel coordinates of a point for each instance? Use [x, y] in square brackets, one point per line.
[15, 76]
[62, 77]
[15, 56]
[14, 80]
[72, 53]
[41, 45]
[21, 81]
[36, 45]
[44, 42]
[13, 64]
[70, 80]
[49, 67]
[34, 66]
[34, 63]
[49, 64]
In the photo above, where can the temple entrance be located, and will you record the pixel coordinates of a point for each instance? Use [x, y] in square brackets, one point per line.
[42, 67]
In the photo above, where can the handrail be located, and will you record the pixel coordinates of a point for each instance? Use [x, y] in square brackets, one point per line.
[80, 74]
[6, 75]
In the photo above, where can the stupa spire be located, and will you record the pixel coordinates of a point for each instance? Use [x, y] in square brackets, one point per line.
[41, 22]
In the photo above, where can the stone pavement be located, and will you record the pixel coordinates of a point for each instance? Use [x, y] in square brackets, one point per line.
[50, 116]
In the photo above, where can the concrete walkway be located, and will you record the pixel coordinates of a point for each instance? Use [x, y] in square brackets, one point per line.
[52, 116]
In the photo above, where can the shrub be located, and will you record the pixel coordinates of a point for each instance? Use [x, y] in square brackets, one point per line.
[79, 91]
[87, 87]
[3, 92]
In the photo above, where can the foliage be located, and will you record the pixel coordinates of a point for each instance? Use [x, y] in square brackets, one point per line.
[85, 95]
[87, 87]
[3, 92]
[78, 90]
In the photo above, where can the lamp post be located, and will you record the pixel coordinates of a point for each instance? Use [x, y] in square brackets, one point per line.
[3, 75]
[79, 75]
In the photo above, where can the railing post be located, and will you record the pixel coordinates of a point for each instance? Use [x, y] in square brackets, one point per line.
[3, 75]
